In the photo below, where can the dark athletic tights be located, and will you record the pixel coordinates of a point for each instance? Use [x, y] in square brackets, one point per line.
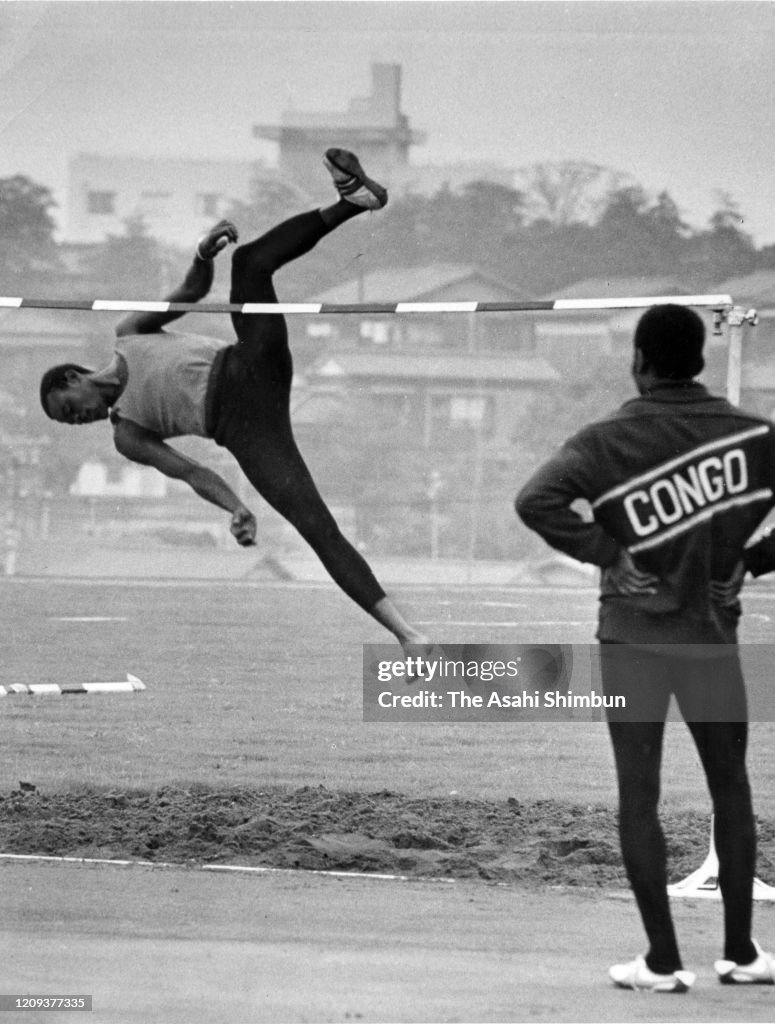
[254, 420]
[721, 746]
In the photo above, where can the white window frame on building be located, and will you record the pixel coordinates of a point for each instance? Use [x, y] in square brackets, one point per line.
[320, 329]
[375, 332]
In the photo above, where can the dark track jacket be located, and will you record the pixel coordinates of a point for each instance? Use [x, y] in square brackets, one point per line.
[681, 479]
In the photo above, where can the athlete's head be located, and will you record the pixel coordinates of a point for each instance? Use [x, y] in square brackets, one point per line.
[69, 394]
[668, 343]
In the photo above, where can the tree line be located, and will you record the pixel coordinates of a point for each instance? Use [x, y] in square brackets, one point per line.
[567, 222]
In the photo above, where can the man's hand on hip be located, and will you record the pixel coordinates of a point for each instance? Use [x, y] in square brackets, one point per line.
[726, 592]
[628, 579]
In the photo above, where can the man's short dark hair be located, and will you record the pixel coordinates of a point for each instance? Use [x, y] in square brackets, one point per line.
[55, 379]
[671, 338]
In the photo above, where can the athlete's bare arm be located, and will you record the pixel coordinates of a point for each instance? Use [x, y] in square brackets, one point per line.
[143, 446]
[195, 285]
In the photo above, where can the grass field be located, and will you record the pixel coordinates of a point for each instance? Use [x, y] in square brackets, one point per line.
[260, 684]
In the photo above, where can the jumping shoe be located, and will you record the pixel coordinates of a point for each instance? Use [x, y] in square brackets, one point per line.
[351, 181]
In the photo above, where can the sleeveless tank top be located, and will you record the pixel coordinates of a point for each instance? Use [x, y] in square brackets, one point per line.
[166, 388]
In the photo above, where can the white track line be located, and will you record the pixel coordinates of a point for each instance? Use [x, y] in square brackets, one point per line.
[485, 604]
[165, 582]
[502, 604]
[219, 868]
[461, 622]
[511, 625]
[88, 618]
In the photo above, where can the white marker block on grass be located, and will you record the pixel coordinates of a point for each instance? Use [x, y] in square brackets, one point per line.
[129, 685]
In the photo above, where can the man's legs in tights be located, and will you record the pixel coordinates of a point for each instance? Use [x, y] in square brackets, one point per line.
[265, 447]
[721, 745]
[265, 335]
[637, 750]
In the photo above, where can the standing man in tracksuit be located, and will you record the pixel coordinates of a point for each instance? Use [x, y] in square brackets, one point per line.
[678, 480]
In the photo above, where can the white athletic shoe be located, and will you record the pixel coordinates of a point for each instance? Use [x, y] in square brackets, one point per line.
[636, 975]
[760, 971]
[351, 181]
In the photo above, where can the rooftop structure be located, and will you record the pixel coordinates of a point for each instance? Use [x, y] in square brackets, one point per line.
[373, 126]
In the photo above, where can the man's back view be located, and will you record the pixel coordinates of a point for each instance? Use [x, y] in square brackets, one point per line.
[677, 481]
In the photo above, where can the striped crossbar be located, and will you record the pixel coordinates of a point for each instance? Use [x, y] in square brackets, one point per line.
[332, 308]
[130, 685]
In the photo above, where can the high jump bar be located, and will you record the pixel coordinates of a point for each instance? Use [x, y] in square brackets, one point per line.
[718, 302]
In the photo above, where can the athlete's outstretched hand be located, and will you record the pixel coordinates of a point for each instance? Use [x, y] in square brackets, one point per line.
[725, 592]
[243, 527]
[217, 238]
[628, 579]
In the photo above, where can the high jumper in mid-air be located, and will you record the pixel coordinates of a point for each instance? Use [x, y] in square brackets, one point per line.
[163, 384]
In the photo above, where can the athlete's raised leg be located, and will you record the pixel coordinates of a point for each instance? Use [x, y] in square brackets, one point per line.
[254, 264]
[263, 442]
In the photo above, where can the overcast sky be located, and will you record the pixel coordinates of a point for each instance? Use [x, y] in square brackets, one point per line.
[680, 95]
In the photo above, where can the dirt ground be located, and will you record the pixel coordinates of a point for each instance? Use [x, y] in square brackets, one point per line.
[529, 843]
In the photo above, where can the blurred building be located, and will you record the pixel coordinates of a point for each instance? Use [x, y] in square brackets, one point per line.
[179, 198]
[374, 127]
[31, 340]
[434, 282]
[176, 199]
[440, 375]
[439, 398]
[94, 480]
[572, 340]
[378, 130]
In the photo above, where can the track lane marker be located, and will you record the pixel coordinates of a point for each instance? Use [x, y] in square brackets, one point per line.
[31, 858]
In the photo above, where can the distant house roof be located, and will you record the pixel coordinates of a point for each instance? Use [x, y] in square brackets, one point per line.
[415, 284]
[757, 288]
[405, 366]
[623, 287]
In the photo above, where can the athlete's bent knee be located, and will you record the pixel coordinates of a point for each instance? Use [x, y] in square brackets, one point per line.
[247, 260]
